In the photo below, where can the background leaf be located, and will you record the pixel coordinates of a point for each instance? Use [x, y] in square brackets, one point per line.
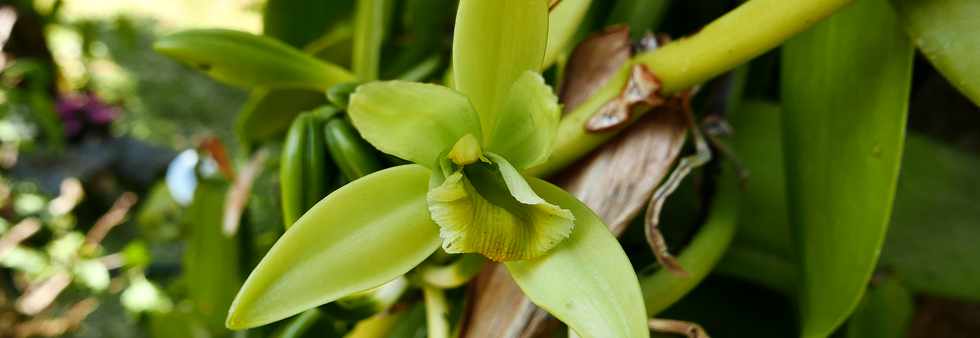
[931, 246]
[885, 312]
[845, 85]
[300, 22]
[210, 260]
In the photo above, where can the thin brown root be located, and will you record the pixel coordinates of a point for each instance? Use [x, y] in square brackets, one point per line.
[687, 164]
[688, 329]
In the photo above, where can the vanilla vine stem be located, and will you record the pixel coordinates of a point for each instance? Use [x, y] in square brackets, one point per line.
[748, 31]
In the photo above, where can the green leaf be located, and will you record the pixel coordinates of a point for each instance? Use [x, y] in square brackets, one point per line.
[494, 43]
[885, 312]
[931, 245]
[845, 88]
[491, 210]
[354, 156]
[641, 16]
[248, 60]
[268, 113]
[364, 234]
[211, 259]
[305, 172]
[564, 22]
[300, 22]
[587, 280]
[417, 122]
[946, 31]
[527, 123]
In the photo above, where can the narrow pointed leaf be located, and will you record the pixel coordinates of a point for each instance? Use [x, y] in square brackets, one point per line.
[527, 122]
[493, 44]
[845, 87]
[248, 60]
[587, 281]
[947, 32]
[359, 237]
[417, 122]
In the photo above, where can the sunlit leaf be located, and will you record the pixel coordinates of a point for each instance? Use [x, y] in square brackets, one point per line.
[587, 281]
[494, 43]
[361, 236]
[417, 122]
[527, 122]
[946, 31]
[845, 88]
[249, 60]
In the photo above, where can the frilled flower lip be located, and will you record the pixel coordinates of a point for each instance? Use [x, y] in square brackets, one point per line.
[487, 207]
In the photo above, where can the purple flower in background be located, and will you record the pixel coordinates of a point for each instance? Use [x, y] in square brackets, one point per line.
[80, 112]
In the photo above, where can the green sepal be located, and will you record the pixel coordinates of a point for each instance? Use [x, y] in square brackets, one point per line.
[527, 124]
[359, 237]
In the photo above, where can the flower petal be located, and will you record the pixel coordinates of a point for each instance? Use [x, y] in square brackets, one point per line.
[586, 281]
[415, 121]
[494, 43]
[479, 209]
[361, 236]
[527, 122]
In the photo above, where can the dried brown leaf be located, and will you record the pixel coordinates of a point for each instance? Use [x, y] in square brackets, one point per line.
[592, 63]
[640, 92]
[240, 191]
[617, 180]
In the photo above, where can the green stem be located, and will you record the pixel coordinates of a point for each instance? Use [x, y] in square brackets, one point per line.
[436, 312]
[368, 35]
[747, 31]
[663, 288]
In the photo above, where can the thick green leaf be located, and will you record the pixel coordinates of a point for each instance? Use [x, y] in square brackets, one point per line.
[587, 280]
[845, 88]
[359, 237]
[948, 33]
[249, 60]
[305, 173]
[353, 156]
[268, 113]
[417, 122]
[300, 22]
[495, 42]
[211, 259]
[527, 123]
[885, 312]
[932, 243]
[564, 22]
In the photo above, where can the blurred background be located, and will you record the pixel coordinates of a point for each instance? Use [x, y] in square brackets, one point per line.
[98, 162]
